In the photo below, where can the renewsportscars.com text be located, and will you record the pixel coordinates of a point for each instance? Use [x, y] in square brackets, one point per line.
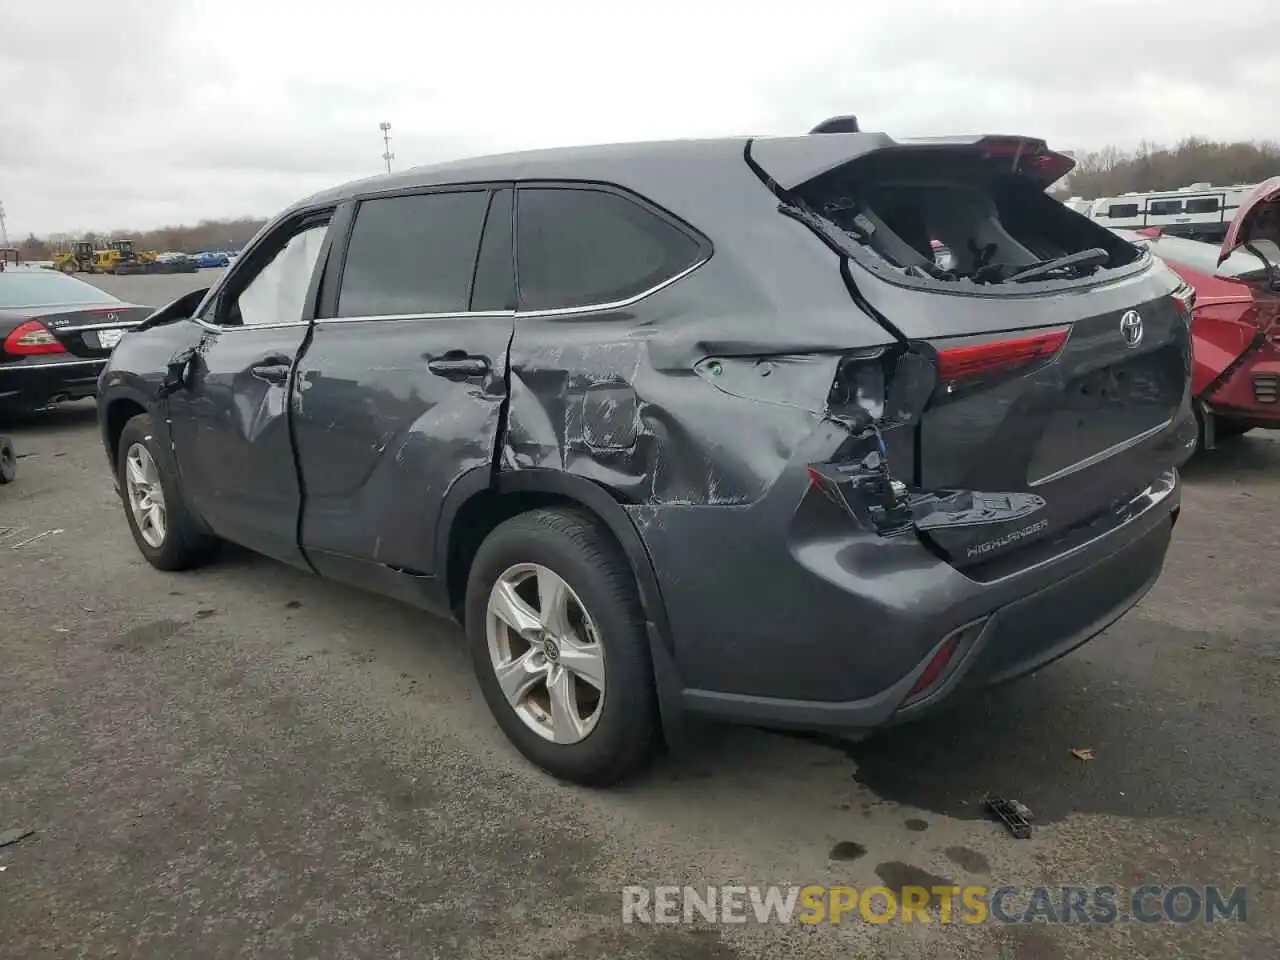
[973, 904]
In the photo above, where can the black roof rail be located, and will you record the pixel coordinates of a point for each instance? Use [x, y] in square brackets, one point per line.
[845, 124]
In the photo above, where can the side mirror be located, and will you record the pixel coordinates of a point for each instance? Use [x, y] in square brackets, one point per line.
[179, 309]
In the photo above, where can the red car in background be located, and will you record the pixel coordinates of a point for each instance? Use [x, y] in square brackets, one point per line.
[1236, 320]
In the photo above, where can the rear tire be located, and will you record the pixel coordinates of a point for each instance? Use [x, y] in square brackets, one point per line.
[166, 532]
[604, 642]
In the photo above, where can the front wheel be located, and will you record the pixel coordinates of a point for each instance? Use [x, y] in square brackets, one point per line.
[559, 646]
[163, 528]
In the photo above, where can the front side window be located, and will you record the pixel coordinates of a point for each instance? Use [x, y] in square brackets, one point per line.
[580, 247]
[1164, 208]
[412, 255]
[278, 293]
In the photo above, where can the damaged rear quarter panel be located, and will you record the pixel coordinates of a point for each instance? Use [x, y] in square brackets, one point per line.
[708, 463]
[617, 396]
[614, 396]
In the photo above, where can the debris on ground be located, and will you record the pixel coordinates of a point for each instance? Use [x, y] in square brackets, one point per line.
[10, 837]
[1012, 813]
[38, 536]
[1082, 753]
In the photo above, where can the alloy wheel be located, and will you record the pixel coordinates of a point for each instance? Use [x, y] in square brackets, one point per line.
[546, 653]
[146, 495]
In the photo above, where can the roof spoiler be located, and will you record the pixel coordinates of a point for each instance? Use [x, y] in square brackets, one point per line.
[845, 124]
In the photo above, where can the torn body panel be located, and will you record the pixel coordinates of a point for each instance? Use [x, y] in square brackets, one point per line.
[381, 435]
[677, 414]
[626, 398]
[230, 431]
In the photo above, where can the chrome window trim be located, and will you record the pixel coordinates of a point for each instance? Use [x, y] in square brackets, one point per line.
[458, 315]
[215, 328]
[616, 304]
[519, 314]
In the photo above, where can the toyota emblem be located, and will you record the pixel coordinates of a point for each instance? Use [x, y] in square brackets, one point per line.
[1131, 328]
[112, 318]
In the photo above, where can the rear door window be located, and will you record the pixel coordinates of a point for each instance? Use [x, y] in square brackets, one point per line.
[412, 255]
[580, 246]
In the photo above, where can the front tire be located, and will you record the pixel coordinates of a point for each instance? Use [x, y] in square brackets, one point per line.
[8, 461]
[559, 647]
[165, 531]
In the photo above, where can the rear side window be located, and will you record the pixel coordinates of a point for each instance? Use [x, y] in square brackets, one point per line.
[412, 255]
[1122, 210]
[577, 247]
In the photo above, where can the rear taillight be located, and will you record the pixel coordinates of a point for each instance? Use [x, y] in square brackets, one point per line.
[31, 338]
[983, 360]
[1028, 156]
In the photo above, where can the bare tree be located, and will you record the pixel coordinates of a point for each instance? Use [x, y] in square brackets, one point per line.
[1110, 171]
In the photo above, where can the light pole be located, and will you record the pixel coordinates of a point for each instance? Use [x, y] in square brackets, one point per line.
[387, 155]
[4, 228]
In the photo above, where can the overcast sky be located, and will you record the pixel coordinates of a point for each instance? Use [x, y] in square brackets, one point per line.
[138, 113]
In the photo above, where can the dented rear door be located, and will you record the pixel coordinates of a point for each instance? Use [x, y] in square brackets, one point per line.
[401, 388]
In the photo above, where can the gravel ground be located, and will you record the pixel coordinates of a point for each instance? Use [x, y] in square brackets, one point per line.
[245, 761]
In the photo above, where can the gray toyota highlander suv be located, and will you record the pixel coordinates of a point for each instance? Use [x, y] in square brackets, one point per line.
[694, 427]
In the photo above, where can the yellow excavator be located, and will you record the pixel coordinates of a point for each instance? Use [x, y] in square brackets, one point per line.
[119, 257]
[78, 259]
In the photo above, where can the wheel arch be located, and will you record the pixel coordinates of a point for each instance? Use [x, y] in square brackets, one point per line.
[478, 493]
[115, 413]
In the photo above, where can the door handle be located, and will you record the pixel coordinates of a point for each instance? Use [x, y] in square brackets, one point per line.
[456, 365]
[271, 372]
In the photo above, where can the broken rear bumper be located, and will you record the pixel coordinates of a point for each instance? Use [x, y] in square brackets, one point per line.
[1251, 391]
[836, 636]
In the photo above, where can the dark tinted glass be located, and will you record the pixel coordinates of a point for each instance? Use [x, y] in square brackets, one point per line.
[579, 246]
[1203, 205]
[32, 287]
[1164, 208]
[1122, 210]
[412, 254]
[495, 286]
